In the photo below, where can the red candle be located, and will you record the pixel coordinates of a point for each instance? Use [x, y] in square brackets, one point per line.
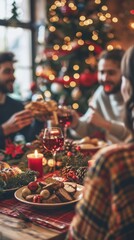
[35, 162]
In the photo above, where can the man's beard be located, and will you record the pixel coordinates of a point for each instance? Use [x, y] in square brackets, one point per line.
[110, 88]
[4, 88]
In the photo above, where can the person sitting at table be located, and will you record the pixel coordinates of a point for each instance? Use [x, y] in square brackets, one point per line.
[14, 118]
[106, 107]
[106, 210]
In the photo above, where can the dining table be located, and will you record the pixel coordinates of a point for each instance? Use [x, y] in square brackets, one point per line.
[37, 223]
[41, 223]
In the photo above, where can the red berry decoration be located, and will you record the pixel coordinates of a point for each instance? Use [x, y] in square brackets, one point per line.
[37, 198]
[69, 154]
[33, 186]
[78, 148]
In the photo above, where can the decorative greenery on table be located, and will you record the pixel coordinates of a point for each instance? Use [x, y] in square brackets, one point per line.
[18, 181]
[69, 158]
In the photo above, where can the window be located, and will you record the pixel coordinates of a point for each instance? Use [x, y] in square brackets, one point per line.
[16, 36]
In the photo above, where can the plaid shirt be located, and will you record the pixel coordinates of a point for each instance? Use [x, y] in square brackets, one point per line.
[106, 211]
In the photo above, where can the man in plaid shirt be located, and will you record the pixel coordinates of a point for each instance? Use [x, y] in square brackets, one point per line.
[106, 211]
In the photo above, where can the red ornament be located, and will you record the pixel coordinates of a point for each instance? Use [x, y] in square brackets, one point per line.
[66, 10]
[88, 79]
[132, 11]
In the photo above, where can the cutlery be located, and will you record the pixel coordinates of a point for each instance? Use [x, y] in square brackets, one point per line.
[58, 225]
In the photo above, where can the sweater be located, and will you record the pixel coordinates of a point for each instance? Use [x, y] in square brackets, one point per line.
[111, 108]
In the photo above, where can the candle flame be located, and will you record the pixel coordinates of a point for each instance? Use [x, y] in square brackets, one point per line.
[36, 153]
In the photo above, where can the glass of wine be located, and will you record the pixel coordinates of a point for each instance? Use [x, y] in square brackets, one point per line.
[53, 140]
[64, 118]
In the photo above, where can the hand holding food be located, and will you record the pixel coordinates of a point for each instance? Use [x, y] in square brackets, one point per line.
[42, 109]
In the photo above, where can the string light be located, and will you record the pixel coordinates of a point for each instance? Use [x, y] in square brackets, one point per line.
[131, 25]
[72, 84]
[110, 47]
[64, 47]
[76, 75]
[82, 18]
[55, 57]
[115, 19]
[91, 48]
[52, 29]
[47, 94]
[104, 8]
[66, 78]
[81, 42]
[78, 34]
[102, 18]
[75, 106]
[88, 22]
[97, 1]
[76, 67]
[51, 77]
[67, 39]
[108, 15]
[56, 47]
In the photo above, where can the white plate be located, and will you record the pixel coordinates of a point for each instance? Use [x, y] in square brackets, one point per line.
[78, 194]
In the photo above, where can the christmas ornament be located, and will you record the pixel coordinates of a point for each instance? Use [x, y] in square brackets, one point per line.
[88, 79]
[51, 163]
[76, 93]
[66, 10]
[56, 88]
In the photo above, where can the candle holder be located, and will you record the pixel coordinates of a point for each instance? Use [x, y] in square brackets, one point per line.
[35, 162]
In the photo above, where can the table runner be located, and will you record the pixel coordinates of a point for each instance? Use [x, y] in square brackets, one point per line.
[63, 214]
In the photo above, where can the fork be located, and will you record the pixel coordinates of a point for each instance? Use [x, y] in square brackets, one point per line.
[57, 225]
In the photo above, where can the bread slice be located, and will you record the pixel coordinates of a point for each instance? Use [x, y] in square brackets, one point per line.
[71, 189]
[63, 195]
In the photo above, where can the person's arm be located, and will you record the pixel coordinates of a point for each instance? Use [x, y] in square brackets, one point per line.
[2, 138]
[93, 211]
[80, 126]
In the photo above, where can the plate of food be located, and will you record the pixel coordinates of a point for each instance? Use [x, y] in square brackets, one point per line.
[52, 195]
[12, 177]
[88, 143]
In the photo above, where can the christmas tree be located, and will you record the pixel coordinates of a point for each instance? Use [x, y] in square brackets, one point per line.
[77, 31]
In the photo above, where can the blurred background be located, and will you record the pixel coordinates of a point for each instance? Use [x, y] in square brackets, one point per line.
[57, 44]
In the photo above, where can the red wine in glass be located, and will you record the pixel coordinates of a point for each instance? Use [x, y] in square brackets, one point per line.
[65, 120]
[53, 139]
[53, 144]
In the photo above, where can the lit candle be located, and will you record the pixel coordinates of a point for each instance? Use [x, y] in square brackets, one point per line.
[35, 162]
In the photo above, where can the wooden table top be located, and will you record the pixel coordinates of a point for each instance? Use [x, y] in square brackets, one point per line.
[16, 229]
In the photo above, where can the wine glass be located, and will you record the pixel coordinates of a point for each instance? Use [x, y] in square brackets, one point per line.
[64, 118]
[53, 140]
